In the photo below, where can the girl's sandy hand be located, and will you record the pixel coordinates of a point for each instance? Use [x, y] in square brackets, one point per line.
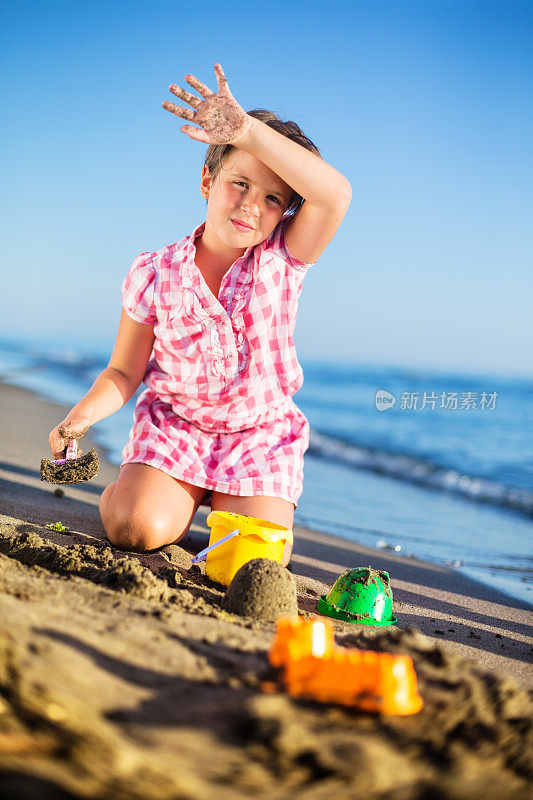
[73, 426]
[222, 119]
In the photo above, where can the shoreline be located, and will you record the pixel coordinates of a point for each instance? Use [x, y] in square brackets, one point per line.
[370, 488]
[390, 512]
[443, 604]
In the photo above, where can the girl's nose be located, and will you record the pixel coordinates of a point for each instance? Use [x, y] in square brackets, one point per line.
[250, 207]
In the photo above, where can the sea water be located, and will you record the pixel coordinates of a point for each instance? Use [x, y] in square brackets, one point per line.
[425, 464]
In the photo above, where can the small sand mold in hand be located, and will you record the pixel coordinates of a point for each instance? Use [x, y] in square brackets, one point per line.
[362, 595]
[261, 589]
[73, 468]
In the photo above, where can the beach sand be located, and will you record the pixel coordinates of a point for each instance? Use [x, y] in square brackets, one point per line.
[122, 677]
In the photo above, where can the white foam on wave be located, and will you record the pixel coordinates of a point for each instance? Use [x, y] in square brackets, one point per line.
[409, 468]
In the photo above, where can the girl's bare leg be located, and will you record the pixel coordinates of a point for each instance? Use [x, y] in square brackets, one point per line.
[275, 509]
[146, 508]
[104, 498]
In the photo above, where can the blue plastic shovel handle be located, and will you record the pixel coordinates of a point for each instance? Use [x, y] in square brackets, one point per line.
[203, 553]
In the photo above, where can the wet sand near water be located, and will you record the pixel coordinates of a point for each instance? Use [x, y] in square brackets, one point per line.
[121, 675]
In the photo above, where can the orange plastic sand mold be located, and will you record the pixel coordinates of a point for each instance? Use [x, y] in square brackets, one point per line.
[315, 667]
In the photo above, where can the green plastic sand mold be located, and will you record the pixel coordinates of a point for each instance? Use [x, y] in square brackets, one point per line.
[362, 595]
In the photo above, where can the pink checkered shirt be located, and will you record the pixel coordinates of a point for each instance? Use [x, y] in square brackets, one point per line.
[224, 364]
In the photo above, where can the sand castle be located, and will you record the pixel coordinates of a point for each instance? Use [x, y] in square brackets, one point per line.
[262, 589]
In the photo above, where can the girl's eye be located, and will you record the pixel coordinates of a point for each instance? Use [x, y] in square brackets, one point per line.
[241, 183]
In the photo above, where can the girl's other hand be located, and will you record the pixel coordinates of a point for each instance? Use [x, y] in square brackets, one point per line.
[74, 426]
[222, 119]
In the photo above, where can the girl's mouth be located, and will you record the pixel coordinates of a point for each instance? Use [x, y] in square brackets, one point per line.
[240, 226]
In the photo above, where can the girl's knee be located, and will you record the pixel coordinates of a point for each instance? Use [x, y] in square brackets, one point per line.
[134, 532]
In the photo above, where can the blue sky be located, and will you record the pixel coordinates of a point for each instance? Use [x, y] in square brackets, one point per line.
[424, 106]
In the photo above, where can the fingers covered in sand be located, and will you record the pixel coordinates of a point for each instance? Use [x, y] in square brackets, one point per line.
[74, 426]
[222, 119]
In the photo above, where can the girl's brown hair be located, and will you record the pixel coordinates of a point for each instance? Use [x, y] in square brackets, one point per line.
[217, 153]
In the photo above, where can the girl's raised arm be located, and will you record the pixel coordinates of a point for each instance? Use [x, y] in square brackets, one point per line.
[327, 193]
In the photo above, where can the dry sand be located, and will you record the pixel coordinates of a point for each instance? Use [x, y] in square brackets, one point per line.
[122, 676]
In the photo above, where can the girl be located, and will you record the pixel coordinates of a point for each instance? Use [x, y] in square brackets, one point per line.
[207, 326]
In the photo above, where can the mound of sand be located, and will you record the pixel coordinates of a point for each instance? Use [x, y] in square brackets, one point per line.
[261, 589]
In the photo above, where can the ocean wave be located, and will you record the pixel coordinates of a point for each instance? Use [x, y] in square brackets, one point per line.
[422, 472]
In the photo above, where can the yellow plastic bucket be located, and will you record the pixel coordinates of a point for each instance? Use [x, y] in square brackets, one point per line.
[258, 538]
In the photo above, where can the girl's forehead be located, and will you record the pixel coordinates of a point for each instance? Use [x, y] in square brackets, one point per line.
[247, 165]
[242, 159]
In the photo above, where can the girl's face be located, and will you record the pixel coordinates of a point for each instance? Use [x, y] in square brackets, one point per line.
[245, 190]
